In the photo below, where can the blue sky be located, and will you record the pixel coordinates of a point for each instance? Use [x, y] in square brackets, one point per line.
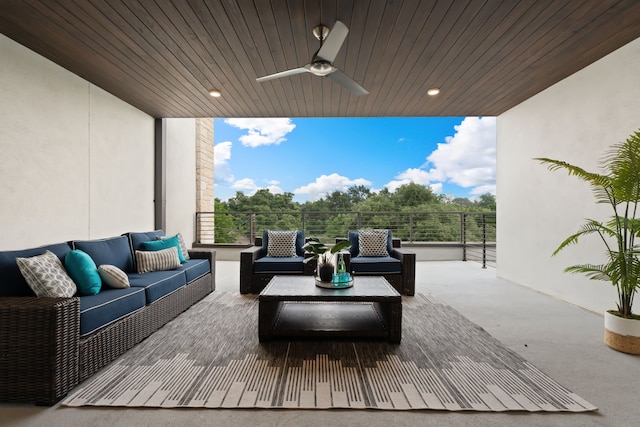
[312, 157]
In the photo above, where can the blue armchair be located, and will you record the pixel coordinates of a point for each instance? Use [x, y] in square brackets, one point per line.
[257, 268]
[397, 265]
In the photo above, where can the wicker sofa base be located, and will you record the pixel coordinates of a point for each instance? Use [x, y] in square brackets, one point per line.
[42, 355]
[101, 348]
[38, 348]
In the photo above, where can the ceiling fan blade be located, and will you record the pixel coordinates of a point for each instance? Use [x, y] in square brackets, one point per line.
[346, 81]
[291, 72]
[331, 46]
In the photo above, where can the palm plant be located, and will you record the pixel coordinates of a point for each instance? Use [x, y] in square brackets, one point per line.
[321, 252]
[619, 187]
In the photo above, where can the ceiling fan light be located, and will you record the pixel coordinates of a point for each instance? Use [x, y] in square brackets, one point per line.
[321, 68]
[433, 91]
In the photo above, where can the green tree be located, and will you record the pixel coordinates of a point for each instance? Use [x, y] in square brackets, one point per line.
[358, 193]
[338, 201]
[224, 231]
[413, 195]
[487, 201]
[463, 201]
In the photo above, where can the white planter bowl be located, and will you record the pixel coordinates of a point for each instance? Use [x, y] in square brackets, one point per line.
[622, 334]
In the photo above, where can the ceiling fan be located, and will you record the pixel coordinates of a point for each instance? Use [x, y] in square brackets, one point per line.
[321, 63]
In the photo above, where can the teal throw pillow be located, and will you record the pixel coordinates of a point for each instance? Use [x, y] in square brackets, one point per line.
[169, 242]
[83, 271]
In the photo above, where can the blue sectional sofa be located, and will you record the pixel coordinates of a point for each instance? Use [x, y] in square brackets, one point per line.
[48, 345]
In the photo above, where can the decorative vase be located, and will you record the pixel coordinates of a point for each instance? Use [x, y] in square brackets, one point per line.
[622, 334]
[325, 272]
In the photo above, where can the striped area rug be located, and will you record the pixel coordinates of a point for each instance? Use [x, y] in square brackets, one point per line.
[210, 357]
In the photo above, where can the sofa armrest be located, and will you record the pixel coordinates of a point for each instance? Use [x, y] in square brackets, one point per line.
[204, 254]
[39, 348]
[208, 255]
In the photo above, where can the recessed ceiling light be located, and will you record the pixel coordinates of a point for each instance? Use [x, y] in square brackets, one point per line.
[433, 91]
[215, 93]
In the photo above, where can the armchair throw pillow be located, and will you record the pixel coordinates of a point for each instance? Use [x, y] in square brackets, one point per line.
[281, 243]
[373, 243]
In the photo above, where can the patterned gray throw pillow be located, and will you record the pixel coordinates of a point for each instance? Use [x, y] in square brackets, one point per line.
[165, 259]
[282, 243]
[113, 277]
[373, 243]
[183, 245]
[46, 276]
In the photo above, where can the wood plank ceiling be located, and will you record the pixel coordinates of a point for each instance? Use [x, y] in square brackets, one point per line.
[164, 56]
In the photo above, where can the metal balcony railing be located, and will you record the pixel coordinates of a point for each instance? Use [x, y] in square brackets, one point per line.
[475, 232]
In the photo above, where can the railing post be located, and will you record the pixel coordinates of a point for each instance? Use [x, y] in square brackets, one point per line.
[252, 228]
[198, 227]
[411, 227]
[359, 220]
[463, 234]
[484, 241]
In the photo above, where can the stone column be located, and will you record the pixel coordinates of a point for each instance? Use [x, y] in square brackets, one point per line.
[204, 181]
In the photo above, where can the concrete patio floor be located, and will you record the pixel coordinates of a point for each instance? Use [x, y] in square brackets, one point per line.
[561, 340]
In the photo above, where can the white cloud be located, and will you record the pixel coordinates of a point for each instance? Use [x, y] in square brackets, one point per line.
[262, 131]
[467, 159]
[415, 175]
[436, 188]
[221, 156]
[327, 184]
[248, 185]
[484, 189]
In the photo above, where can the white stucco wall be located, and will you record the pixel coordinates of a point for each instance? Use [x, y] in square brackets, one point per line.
[75, 162]
[181, 178]
[575, 120]
[121, 167]
[43, 150]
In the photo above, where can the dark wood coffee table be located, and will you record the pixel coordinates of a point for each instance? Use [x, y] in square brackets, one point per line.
[294, 307]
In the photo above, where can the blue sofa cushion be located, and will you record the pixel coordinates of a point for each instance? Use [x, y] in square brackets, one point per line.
[136, 239]
[83, 271]
[195, 268]
[12, 283]
[112, 251]
[158, 284]
[299, 242]
[382, 265]
[279, 265]
[108, 306]
[354, 239]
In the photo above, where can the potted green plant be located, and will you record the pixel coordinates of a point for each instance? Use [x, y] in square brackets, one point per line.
[324, 255]
[619, 187]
